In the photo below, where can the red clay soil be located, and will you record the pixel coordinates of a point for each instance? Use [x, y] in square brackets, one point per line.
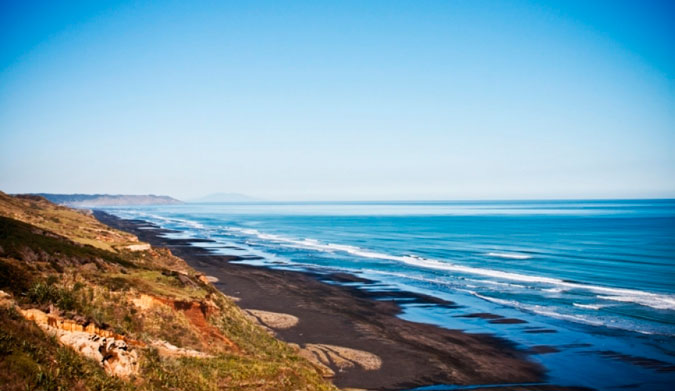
[197, 313]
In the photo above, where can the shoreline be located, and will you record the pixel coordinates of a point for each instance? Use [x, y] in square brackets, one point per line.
[332, 314]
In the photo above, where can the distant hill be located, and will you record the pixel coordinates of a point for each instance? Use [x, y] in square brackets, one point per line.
[88, 200]
[225, 197]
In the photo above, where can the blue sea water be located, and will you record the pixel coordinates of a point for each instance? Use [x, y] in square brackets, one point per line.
[594, 280]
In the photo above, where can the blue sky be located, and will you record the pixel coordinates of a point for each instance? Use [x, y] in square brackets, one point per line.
[339, 100]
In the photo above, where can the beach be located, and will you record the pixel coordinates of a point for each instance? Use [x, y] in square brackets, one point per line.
[331, 313]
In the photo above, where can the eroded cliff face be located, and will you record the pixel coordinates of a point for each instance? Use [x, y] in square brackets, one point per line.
[197, 313]
[115, 353]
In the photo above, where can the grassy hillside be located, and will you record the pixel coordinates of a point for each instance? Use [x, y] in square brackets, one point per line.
[75, 225]
[85, 280]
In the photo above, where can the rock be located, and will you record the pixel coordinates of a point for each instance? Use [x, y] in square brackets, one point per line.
[138, 247]
[6, 299]
[207, 279]
[111, 350]
[114, 355]
[274, 320]
[166, 349]
[35, 315]
[323, 355]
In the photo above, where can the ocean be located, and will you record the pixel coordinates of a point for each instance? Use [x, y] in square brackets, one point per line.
[587, 286]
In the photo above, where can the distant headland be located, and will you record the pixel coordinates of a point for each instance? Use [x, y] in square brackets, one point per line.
[88, 200]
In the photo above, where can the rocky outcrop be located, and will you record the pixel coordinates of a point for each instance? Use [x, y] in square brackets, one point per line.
[207, 279]
[273, 320]
[138, 247]
[59, 323]
[115, 353]
[166, 349]
[327, 358]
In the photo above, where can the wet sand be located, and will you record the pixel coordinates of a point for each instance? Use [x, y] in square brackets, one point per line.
[413, 354]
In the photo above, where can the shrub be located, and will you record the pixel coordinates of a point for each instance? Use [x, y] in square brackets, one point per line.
[13, 277]
[46, 293]
[42, 293]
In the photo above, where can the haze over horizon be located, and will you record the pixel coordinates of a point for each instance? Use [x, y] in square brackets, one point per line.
[346, 101]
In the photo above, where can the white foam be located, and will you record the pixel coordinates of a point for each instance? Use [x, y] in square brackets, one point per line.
[185, 222]
[573, 318]
[190, 223]
[509, 255]
[504, 284]
[590, 306]
[541, 310]
[554, 290]
[654, 300]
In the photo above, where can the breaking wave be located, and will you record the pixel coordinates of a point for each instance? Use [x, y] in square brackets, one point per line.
[653, 300]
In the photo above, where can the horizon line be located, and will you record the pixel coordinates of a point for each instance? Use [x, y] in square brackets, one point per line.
[261, 201]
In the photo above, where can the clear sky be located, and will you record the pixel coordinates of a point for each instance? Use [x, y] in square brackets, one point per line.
[339, 100]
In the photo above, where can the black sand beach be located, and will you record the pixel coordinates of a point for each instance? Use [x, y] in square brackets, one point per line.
[412, 354]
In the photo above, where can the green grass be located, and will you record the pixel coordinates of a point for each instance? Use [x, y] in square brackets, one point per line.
[229, 372]
[157, 283]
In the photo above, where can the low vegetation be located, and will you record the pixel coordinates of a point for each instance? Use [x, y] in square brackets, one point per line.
[67, 265]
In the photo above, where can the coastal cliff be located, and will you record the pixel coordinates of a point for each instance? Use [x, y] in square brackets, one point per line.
[85, 306]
